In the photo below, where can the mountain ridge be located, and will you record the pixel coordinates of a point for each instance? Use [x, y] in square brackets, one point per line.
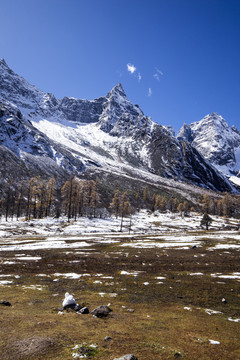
[216, 141]
[109, 132]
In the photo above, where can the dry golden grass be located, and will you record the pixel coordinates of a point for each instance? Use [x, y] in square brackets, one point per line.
[159, 327]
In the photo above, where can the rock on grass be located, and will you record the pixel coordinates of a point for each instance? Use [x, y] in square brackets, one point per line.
[127, 357]
[101, 311]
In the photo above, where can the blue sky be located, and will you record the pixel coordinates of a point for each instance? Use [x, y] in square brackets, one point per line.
[178, 59]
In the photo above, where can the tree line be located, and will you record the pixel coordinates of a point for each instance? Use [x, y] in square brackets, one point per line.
[38, 198]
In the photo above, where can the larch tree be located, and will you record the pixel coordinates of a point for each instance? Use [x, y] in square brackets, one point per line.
[115, 204]
[50, 195]
[125, 207]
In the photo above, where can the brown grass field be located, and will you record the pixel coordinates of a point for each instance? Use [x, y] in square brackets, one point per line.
[169, 319]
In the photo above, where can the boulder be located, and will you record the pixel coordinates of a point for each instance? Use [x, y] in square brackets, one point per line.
[5, 303]
[127, 357]
[107, 338]
[84, 310]
[101, 311]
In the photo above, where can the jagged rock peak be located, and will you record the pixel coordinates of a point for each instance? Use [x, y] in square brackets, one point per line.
[3, 62]
[117, 90]
[185, 133]
[215, 118]
[4, 66]
[216, 141]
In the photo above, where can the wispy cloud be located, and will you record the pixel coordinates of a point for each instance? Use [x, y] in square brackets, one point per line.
[149, 92]
[157, 74]
[139, 77]
[131, 68]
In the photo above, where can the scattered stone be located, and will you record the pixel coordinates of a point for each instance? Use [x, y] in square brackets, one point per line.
[130, 310]
[127, 357]
[101, 311]
[107, 338]
[194, 247]
[177, 355]
[224, 301]
[5, 303]
[83, 310]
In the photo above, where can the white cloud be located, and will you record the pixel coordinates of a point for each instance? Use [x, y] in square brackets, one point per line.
[139, 77]
[157, 74]
[131, 68]
[149, 92]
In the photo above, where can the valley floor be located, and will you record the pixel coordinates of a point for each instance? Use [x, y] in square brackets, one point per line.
[174, 288]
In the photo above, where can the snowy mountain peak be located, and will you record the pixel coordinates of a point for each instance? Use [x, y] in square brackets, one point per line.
[3, 62]
[117, 89]
[216, 141]
[108, 134]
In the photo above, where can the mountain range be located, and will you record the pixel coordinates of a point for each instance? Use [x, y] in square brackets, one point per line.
[217, 142]
[108, 137]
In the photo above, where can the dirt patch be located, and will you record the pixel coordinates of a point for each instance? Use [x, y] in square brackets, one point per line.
[36, 345]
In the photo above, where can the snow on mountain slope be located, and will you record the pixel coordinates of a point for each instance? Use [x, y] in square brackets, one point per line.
[216, 141]
[71, 135]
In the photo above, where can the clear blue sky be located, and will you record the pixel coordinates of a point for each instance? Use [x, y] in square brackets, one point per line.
[186, 52]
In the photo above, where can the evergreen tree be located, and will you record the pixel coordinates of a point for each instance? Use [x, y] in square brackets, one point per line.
[206, 221]
[115, 204]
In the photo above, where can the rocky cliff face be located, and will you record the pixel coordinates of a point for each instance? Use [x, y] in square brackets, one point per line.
[216, 141]
[63, 136]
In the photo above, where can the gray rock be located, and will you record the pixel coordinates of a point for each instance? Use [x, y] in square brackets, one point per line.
[127, 357]
[84, 310]
[75, 307]
[107, 338]
[177, 355]
[101, 311]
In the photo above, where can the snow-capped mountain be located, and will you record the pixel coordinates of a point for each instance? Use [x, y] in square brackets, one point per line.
[216, 141]
[110, 134]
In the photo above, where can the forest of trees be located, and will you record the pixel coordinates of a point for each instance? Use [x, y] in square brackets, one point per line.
[38, 198]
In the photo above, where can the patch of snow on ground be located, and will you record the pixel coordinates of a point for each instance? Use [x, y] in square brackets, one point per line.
[35, 258]
[234, 320]
[5, 282]
[214, 342]
[212, 312]
[132, 273]
[70, 275]
[235, 275]
[196, 274]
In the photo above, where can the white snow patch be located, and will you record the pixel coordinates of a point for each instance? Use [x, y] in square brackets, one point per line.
[234, 320]
[196, 274]
[212, 312]
[132, 273]
[35, 258]
[5, 282]
[70, 275]
[214, 342]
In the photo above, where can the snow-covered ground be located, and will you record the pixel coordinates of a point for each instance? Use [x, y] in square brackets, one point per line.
[141, 222]
[147, 230]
